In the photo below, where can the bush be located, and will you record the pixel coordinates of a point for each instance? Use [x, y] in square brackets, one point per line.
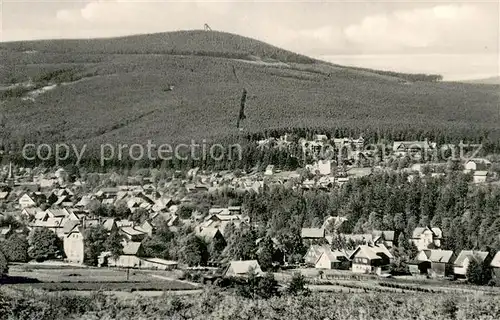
[15, 249]
[4, 267]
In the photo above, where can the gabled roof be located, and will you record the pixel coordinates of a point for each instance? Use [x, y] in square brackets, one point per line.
[403, 145]
[208, 233]
[133, 231]
[371, 252]
[386, 234]
[444, 256]
[481, 255]
[313, 233]
[108, 224]
[332, 255]
[362, 237]
[242, 267]
[420, 230]
[70, 225]
[57, 213]
[131, 248]
[495, 263]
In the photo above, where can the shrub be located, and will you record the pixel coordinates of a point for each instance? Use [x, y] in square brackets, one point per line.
[4, 267]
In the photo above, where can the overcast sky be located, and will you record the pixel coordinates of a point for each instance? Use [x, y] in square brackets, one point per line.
[313, 27]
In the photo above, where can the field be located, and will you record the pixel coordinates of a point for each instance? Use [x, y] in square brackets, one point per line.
[93, 279]
[214, 304]
[115, 91]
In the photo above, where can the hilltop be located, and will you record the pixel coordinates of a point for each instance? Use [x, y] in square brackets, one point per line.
[117, 90]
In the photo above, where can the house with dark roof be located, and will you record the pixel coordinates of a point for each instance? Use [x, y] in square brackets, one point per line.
[130, 258]
[385, 237]
[435, 263]
[133, 233]
[465, 257]
[374, 259]
[211, 234]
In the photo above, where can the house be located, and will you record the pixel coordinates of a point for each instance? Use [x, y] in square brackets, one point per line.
[269, 170]
[31, 212]
[333, 223]
[73, 243]
[465, 256]
[4, 195]
[110, 225]
[427, 237]
[385, 237]
[435, 263]
[147, 227]
[211, 234]
[332, 260]
[313, 253]
[371, 259]
[129, 259]
[480, 176]
[495, 265]
[313, 233]
[361, 238]
[6, 232]
[242, 268]
[133, 234]
[477, 164]
[27, 201]
[158, 264]
[412, 148]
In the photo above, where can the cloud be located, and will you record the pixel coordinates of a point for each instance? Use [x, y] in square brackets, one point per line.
[442, 25]
[390, 28]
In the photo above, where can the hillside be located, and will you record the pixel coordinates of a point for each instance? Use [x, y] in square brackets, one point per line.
[115, 90]
[491, 80]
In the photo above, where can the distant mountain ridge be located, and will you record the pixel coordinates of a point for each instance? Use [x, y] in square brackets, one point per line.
[181, 86]
[490, 80]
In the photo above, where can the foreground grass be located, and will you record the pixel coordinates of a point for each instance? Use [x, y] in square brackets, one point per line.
[211, 304]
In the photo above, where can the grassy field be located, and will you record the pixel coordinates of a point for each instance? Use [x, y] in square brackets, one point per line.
[93, 279]
[113, 91]
[214, 304]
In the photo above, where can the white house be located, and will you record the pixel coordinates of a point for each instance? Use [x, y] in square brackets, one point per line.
[423, 237]
[241, 268]
[332, 260]
[480, 176]
[464, 258]
[26, 201]
[477, 164]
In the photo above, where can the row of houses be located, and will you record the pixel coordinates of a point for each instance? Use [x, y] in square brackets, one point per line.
[422, 237]
[376, 259]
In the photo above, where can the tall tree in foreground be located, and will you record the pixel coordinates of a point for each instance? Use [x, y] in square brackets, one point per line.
[478, 272]
[94, 239]
[114, 244]
[15, 249]
[43, 244]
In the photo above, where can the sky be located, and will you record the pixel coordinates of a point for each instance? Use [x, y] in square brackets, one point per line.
[388, 31]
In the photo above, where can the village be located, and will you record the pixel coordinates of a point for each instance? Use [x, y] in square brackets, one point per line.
[137, 210]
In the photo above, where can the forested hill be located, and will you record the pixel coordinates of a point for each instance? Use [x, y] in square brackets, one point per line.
[179, 86]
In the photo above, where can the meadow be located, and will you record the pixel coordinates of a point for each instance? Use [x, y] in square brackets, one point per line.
[92, 279]
[215, 304]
